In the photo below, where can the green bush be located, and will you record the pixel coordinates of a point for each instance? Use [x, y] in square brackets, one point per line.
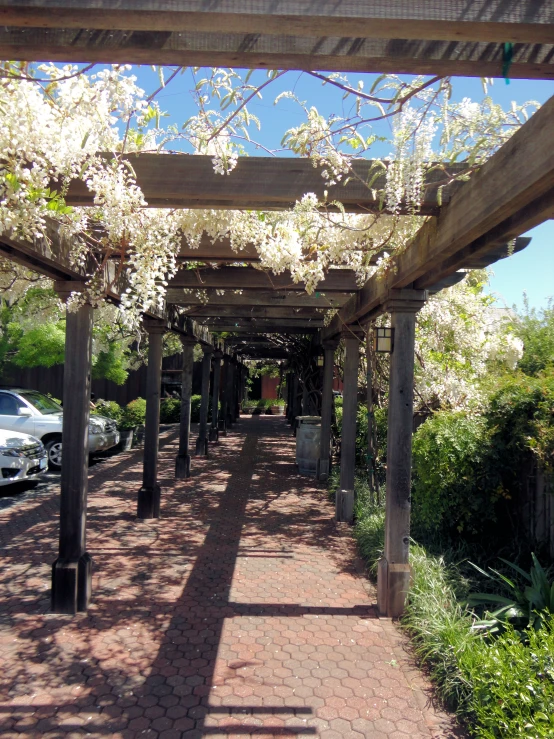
[369, 530]
[195, 408]
[380, 420]
[108, 409]
[469, 471]
[512, 685]
[452, 493]
[134, 414]
[170, 410]
[501, 688]
[521, 418]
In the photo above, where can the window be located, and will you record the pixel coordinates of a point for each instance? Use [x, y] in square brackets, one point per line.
[9, 404]
[41, 402]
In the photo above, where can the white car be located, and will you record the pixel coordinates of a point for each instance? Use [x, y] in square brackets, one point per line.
[31, 412]
[22, 457]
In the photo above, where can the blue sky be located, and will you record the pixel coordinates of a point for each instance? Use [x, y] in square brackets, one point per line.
[531, 271]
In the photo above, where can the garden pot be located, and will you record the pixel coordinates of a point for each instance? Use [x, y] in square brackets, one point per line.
[126, 440]
[277, 410]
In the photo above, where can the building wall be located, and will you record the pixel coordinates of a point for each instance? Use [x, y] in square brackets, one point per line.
[269, 387]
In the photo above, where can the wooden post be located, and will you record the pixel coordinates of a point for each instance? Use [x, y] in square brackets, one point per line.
[214, 428]
[182, 462]
[202, 441]
[296, 402]
[148, 505]
[290, 383]
[324, 461]
[72, 570]
[230, 392]
[394, 571]
[238, 375]
[223, 396]
[344, 508]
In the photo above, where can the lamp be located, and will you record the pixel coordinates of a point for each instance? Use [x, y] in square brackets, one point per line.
[383, 339]
[320, 360]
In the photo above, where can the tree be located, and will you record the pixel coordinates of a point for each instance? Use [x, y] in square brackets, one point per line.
[536, 331]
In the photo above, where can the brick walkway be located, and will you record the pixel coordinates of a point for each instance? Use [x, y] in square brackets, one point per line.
[240, 613]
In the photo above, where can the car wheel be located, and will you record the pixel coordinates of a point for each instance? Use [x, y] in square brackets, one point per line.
[54, 451]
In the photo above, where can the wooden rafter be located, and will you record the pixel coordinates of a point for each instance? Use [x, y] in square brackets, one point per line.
[258, 183]
[239, 311]
[450, 37]
[236, 278]
[278, 298]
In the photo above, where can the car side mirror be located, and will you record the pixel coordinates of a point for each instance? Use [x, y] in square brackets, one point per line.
[23, 411]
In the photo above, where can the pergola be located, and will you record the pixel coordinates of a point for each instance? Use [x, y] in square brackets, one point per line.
[471, 228]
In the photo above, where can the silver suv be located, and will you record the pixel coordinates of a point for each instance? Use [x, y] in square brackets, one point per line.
[31, 412]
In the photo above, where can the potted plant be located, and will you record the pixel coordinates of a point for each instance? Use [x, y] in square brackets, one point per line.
[248, 406]
[259, 407]
[278, 407]
[133, 416]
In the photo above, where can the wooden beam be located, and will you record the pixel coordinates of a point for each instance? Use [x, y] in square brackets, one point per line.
[218, 251]
[459, 37]
[258, 51]
[277, 298]
[263, 325]
[237, 278]
[484, 212]
[256, 183]
[238, 311]
[270, 328]
[481, 20]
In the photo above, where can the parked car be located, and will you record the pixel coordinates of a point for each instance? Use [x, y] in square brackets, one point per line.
[22, 457]
[31, 412]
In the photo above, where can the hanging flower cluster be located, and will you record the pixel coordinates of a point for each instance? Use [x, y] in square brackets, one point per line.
[52, 132]
[460, 338]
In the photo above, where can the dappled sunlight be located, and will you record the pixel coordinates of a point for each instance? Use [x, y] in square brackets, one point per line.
[239, 612]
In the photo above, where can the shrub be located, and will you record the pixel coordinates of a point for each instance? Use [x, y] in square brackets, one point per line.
[134, 414]
[195, 408]
[470, 471]
[502, 688]
[369, 529]
[380, 420]
[170, 410]
[108, 409]
[451, 492]
[521, 417]
[512, 685]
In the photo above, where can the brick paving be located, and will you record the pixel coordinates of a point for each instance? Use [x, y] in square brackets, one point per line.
[242, 612]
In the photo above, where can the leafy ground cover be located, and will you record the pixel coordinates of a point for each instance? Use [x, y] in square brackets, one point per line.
[500, 686]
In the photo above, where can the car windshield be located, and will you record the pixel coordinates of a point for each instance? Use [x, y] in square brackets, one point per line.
[41, 402]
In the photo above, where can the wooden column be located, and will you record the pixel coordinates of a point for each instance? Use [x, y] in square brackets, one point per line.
[238, 382]
[230, 391]
[394, 570]
[296, 402]
[149, 494]
[324, 461]
[344, 509]
[182, 462]
[214, 428]
[224, 396]
[289, 396]
[202, 441]
[72, 570]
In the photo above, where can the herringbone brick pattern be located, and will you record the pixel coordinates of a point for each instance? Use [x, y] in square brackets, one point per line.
[240, 613]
